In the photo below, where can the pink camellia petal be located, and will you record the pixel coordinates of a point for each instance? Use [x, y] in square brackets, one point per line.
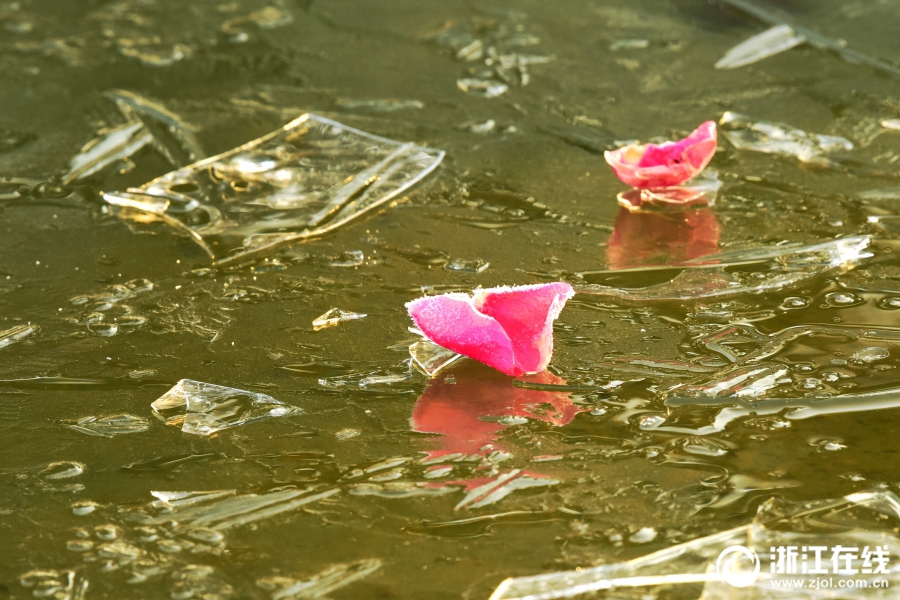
[667, 164]
[508, 328]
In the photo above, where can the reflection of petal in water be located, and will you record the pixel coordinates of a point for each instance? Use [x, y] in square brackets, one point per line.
[644, 238]
[466, 412]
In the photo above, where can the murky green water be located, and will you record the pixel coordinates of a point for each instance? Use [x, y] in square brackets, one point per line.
[606, 472]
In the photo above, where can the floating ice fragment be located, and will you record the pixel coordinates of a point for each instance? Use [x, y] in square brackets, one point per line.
[380, 105]
[796, 408]
[629, 45]
[773, 138]
[64, 469]
[891, 124]
[58, 585]
[431, 358]
[745, 557]
[335, 316]
[110, 426]
[171, 136]
[222, 509]
[873, 354]
[204, 408]
[269, 17]
[460, 265]
[14, 334]
[346, 434]
[768, 43]
[762, 270]
[151, 53]
[667, 164]
[349, 259]
[306, 179]
[486, 88]
[502, 486]
[507, 328]
[114, 145]
[643, 535]
[321, 584]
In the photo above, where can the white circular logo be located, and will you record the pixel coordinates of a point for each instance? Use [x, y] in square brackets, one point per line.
[733, 566]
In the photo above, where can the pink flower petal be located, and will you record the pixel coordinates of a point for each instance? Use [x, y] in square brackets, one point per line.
[667, 164]
[508, 328]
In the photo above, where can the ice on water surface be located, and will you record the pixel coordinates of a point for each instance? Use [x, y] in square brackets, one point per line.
[16, 333]
[110, 425]
[333, 317]
[857, 521]
[306, 179]
[750, 270]
[774, 138]
[431, 358]
[768, 43]
[204, 408]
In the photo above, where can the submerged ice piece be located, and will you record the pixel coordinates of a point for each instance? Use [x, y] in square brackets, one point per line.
[203, 408]
[742, 563]
[321, 584]
[304, 180]
[751, 270]
[774, 138]
[110, 425]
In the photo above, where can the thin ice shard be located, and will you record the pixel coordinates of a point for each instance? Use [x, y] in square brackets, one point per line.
[221, 509]
[321, 584]
[114, 145]
[796, 408]
[14, 334]
[775, 138]
[110, 425]
[170, 135]
[768, 43]
[203, 408]
[502, 486]
[762, 270]
[430, 358]
[335, 316]
[304, 180]
[862, 520]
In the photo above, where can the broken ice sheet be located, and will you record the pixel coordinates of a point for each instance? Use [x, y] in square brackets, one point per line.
[204, 408]
[430, 358]
[749, 270]
[112, 146]
[306, 179]
[321, 584]
[861, 520]
[110, 425]
[333, 317]
[768, 43]
[774, 138]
